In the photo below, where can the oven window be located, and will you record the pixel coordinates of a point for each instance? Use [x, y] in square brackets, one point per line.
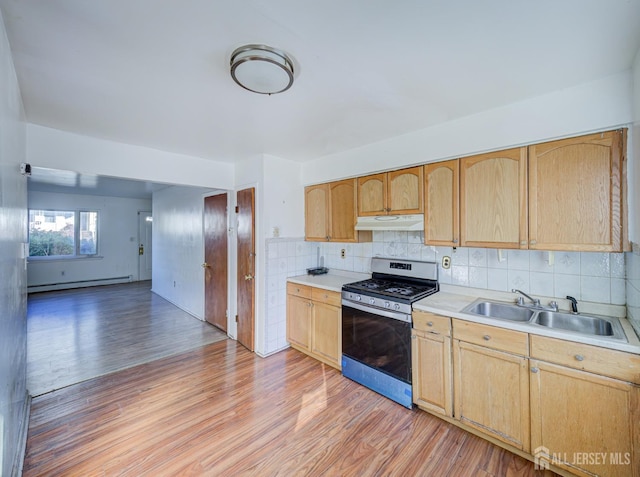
[380, 342]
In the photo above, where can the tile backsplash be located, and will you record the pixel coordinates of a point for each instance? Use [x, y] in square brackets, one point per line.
[595, 277]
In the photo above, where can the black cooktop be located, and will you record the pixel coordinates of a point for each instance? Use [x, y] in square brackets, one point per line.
[399, 289]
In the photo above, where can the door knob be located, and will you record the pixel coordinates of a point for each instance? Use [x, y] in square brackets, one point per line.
[141, 249]
[205, 265]
[248, 277]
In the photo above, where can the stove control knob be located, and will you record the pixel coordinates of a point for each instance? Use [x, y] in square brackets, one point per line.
[387, 304]
[358, 298]
[397, 306]
[372, 301]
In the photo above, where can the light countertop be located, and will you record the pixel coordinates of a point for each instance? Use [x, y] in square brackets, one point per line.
[331, 281]
[451, 300]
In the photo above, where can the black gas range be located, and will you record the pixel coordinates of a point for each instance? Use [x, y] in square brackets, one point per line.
[376, 324]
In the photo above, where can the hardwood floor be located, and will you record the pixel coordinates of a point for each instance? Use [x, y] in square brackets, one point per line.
[75, 335]
[222, 411]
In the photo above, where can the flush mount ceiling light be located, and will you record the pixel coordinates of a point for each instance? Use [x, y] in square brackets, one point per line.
[261, 69]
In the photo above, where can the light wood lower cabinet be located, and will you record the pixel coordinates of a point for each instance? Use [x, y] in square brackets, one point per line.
[581, 421]
[491, 392]
[314, 323]
[431, 363]
[573, 406]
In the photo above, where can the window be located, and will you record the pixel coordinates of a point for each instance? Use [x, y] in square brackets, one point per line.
[63, 233]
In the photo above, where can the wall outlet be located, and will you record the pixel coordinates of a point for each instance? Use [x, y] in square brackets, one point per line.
[446, 262]
[343, 253]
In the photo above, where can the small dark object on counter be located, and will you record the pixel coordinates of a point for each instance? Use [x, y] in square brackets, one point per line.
[317, 271]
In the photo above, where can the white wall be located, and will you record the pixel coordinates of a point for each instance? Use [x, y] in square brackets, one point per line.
[57, 149]
[118, 240]
[178, 247]
[633, 171]
[13, 293]
[284, 198]
[598, 105]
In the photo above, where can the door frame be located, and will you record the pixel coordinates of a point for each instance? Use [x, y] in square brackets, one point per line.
[142, 213]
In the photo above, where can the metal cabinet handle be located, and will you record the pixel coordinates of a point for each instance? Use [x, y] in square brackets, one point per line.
[579, 357]
[248, 277]
[523, 242]
[429, 323]
[486, 337]
[455, 240]
[534, 370]
[533, 242]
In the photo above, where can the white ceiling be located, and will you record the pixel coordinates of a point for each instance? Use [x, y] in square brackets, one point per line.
[155, 72]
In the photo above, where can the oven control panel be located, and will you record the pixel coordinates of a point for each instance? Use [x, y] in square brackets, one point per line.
[376, 302]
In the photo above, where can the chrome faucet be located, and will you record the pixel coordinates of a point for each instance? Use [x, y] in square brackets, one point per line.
[553, 306]
[535, 301]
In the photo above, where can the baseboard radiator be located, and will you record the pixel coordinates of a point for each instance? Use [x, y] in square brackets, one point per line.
[79, 283]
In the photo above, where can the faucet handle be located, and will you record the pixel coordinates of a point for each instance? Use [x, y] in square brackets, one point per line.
[520, 301]
[553, 305]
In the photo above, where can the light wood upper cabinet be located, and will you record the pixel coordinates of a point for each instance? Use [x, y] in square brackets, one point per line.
[493, 199]
[391, 193]
[575, 199]
[441, 203]
[330, 213]
[316, 213]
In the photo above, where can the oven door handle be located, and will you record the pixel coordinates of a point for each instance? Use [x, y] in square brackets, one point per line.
[377, 311]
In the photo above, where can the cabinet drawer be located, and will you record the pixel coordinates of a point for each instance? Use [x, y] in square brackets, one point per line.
[326, 296]
[603, 361]
[302, 291]
[431, 323]
[491, 336]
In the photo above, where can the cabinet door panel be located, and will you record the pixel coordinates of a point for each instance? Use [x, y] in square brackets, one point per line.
[442, 215]
[574, 413]
[493, 199]
[316, 203]
[432, 380]
[327, 332]
[491, 393]
[342, 211]
[405, 191]
[299, 321]
[372, 195]
[574, 193]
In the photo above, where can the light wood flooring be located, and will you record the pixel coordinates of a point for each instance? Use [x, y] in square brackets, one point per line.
[220, 410]
[75, 335]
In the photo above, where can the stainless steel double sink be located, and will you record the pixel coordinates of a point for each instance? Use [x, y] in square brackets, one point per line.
[582, 324]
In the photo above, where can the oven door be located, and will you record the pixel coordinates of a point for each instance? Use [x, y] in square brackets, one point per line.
[379, 339]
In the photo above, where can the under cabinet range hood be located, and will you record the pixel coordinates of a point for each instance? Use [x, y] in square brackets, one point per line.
[391, 222]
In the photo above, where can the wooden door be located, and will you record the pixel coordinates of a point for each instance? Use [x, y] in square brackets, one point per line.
[441, 203]
[493, 199]
[574, 193]
[145, 232]
[246, 267]
[575, 413]
[491, 392]
[432, 379]
[404, 191]
[372, 195]
[316, 213]
[215, 261]
[342, 211]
